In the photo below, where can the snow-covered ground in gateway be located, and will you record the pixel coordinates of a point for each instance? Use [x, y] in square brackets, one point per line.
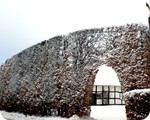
[98, 113]
[113, 112]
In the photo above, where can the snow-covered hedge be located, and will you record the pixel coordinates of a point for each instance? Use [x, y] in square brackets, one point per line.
[56, 76]
[137, 103]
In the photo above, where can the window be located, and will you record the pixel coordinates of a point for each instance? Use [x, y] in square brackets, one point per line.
[107, 95]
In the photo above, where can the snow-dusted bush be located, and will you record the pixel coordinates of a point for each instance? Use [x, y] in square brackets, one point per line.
[56, 76]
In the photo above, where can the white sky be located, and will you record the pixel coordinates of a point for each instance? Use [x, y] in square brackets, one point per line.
[27, 22]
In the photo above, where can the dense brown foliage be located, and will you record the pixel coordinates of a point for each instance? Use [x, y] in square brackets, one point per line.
[58, 74]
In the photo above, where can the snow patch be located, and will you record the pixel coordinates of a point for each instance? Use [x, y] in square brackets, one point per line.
[137, 91]
[74, 117]
[1, 118]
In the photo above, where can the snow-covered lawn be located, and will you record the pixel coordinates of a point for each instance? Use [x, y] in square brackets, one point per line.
[1, 118]
[98, 113]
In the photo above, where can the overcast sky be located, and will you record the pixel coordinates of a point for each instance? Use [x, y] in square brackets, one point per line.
[27, 22]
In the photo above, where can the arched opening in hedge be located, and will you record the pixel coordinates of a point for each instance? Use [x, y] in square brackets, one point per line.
[107, 88]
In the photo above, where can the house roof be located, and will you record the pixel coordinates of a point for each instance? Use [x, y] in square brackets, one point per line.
[106, 76]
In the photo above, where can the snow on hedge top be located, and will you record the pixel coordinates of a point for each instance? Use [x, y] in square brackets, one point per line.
[106, 76]
[137, 91]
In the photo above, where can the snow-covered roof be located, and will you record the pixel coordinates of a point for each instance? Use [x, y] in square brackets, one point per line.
[106, 76]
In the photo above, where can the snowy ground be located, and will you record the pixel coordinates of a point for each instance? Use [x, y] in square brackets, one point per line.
[98, 113]
[108, 112]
